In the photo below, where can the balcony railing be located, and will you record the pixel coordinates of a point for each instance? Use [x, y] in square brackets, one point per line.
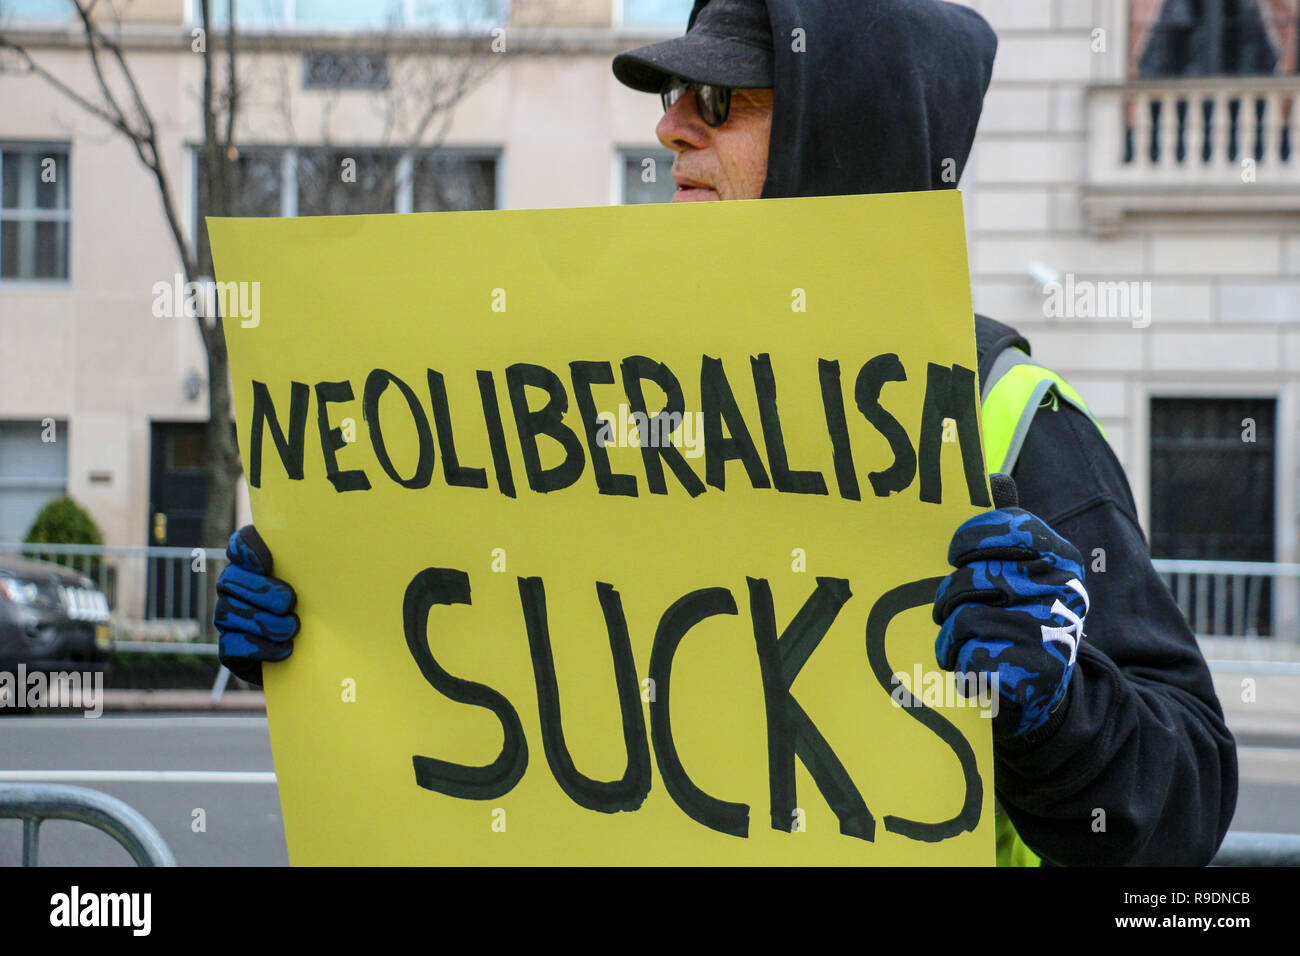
[1245, 614]
[1200, 144]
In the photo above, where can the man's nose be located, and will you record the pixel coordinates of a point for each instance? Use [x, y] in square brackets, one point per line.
[681, 127]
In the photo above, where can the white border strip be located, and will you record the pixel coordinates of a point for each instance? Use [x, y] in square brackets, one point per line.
[76, 722]
[136, 776]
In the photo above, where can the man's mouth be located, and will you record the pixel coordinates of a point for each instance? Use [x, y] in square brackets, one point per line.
[690, 190]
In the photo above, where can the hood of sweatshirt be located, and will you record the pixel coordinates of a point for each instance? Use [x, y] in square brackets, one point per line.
[873, 96]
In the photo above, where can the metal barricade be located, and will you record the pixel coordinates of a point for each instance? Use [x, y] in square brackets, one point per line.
[156, 595]
[36, 803]
[1245, 614]
[1258, 849]
[160, 598]
[1237, 599]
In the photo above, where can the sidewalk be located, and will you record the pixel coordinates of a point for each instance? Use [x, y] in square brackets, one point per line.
[185, 700]
[1274, 712]
[1260, 706]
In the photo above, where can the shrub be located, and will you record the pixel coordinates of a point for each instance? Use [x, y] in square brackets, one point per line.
[63, 521]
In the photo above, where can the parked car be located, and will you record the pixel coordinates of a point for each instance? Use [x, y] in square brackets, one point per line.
[52, 618]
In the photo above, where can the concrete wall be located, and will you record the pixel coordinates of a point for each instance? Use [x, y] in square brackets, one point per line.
[90, 350]
[1226, 286]
[91, 353]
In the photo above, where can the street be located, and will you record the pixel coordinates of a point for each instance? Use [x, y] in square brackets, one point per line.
[232, 817]
[240, 821]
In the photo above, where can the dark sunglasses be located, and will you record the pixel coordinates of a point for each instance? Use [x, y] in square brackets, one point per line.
[712, 102]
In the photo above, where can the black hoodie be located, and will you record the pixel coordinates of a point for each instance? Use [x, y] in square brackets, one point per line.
[884, 96]
[874, 96]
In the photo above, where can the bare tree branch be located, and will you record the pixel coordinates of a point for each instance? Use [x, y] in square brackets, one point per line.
[115, 121]
[91, 31]
[232, 79]
[416, 115]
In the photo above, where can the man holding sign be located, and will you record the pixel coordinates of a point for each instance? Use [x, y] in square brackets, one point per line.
[1109, 742]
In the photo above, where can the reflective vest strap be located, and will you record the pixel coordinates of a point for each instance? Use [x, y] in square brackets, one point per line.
[1011, 396]
[1011, 850]
[1015, 388]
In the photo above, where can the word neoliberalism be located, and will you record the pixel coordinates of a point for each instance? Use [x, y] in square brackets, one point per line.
[950, 393]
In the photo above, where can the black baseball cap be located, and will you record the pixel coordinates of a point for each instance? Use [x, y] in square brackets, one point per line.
[727, 43]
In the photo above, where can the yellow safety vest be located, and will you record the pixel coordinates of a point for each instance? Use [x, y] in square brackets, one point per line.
[1016, 388]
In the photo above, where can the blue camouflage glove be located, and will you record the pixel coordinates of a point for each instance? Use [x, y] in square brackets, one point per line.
[1014, 607]
[253, 614]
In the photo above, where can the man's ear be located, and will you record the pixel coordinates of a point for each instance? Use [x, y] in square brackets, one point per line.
[758, 97]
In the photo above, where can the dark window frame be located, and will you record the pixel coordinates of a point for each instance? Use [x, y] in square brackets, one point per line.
[1209, 38]
[12, 213]
[288, 186]
[1195, 462]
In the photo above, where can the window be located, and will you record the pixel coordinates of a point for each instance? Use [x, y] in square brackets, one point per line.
[337, 181]
[1212, 499]
[344, 70]
[33, 472]
[646, 176]
[654, 13]
[257, 189]
[34, 11]
[444, 182]
[1212, 478]
[34, 213]
[1185, 39]
[355, 15]
[1213, 37]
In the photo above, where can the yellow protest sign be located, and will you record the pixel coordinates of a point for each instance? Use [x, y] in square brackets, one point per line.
[615, 530]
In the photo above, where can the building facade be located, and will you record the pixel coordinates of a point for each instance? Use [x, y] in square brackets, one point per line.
[1132, 204]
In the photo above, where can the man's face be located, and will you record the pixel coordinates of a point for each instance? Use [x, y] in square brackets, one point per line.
[723, 162]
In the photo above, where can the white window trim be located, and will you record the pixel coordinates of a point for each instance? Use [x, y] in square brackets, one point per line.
[288, 21]
[10, 21]
[616, 190]
[404, 201]
[1114, 16]
[499, 174]
[289, 183]
[618, 12]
